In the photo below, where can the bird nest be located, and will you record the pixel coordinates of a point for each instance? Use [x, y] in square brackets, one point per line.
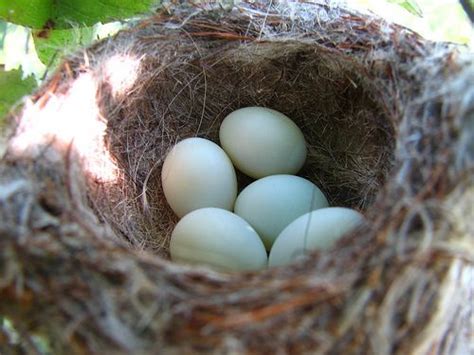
[388, 118]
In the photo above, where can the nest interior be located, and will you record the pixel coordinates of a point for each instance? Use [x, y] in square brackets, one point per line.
[350, 135]
[85, 226]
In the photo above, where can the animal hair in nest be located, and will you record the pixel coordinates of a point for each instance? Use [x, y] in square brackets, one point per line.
[388, 119]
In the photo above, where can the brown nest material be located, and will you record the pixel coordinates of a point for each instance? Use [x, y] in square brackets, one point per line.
[389, 120]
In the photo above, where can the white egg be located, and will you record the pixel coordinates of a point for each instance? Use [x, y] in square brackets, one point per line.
[273, 202]
[197, 173]
[317, 230]
[217, 238]
[262, 142]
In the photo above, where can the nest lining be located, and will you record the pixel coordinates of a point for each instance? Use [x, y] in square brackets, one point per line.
[350, 138]
[381, 133]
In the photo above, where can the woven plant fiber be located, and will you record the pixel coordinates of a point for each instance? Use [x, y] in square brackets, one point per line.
[389, 121]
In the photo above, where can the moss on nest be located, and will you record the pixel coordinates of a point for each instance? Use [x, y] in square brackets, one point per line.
[388, 118]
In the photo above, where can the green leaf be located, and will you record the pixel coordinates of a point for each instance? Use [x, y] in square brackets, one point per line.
[61, 14]
[13, 88]
[30, 13]
[51, 48]
[410, 5]
[89, 12]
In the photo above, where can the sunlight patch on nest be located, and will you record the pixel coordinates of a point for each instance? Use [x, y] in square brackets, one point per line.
[68, 123]
[121, 72]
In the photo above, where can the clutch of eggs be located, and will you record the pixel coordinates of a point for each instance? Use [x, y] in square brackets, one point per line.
[278, 212]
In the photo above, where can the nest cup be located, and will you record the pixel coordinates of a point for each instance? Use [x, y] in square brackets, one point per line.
[388, 118]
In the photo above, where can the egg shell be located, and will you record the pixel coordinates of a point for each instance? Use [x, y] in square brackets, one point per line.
[271, 203]
[197, 173]
[217, 238]
[262, 142]
[317, 230]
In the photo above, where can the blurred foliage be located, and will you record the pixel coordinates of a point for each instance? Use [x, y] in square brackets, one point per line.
[47, 46]
[409, 5]
[36, 33]
[12, 88]
[437, 20]
[468, 6]
[25, 55]
[51, 14]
